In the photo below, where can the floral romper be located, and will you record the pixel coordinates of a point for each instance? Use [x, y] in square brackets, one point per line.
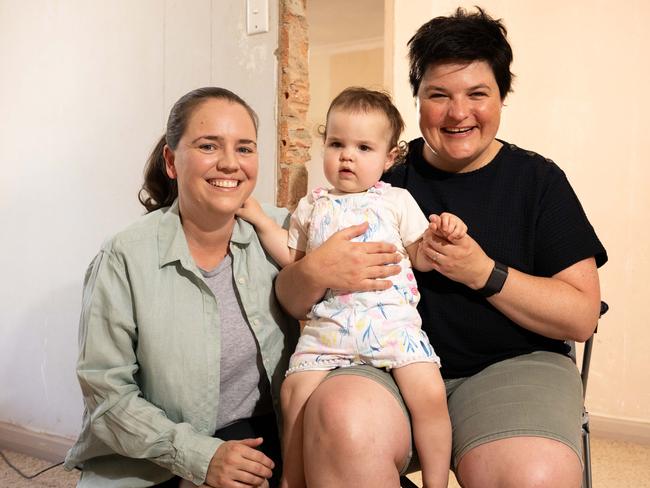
[380, 328]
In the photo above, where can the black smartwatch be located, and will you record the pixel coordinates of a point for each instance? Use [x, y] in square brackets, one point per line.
[495, 281]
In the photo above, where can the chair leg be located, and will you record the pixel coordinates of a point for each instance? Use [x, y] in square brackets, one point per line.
[586, 452]
[404, 482]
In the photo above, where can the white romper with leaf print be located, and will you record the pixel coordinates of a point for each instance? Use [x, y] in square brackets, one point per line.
[380, 328]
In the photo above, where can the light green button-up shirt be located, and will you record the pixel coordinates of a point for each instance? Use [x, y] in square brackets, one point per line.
[149, 360]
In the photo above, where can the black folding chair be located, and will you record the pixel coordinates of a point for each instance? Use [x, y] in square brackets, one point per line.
[584, 374]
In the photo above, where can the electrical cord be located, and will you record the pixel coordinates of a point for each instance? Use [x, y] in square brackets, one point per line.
[2, 454]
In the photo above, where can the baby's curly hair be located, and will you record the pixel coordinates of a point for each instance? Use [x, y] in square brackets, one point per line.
[359, 99]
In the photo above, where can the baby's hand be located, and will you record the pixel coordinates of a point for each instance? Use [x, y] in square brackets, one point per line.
[251, 211]
[448, 226]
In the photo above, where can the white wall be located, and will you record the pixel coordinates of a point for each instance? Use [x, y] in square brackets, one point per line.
[85, 90]
[582, 71]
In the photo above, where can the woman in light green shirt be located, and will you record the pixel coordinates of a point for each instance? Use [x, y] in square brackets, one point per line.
[181, 338]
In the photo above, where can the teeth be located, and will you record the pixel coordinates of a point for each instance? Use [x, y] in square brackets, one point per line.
[458, 130]
[224, 183]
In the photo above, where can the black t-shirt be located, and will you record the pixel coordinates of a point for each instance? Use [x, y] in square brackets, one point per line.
[522, 211]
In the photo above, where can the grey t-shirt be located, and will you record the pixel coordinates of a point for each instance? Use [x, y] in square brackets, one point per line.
[244, 387]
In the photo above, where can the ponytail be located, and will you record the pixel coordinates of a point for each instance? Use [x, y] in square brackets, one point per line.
[158, 189]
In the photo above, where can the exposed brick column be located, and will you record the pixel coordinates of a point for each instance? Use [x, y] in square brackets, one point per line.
[294, 140]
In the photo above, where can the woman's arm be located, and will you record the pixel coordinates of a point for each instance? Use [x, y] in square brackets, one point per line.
[564, 306]
[119, 414]
[107, 367]
[338, 264]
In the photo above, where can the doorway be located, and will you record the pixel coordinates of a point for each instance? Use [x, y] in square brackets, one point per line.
[346, 48]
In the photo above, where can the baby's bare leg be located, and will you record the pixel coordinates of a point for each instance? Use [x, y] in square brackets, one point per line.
[296, 390]
[424, 394]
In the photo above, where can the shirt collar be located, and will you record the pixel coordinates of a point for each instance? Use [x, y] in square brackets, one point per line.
[242, 232]
[172, 244]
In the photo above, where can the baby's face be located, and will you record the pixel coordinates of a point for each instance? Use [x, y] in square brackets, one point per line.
[356, 149]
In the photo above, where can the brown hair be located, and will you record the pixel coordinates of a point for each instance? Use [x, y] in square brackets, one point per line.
[158, 189]
[359, 99]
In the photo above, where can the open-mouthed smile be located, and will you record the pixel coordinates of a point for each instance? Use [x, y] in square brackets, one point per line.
[457, 130]
[223, 183]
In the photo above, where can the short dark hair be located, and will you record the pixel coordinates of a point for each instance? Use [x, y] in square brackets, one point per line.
[158, 189]
[462, 36]
[359, 99]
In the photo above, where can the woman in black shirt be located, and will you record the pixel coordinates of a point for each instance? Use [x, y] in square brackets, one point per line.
[498, 306]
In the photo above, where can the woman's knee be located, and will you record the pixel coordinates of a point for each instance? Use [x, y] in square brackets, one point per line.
[334, 416]
[355, 415]
[347, 418]
[521, 462]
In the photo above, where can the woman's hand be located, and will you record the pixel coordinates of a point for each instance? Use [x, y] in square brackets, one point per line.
[340, 264]
[345, 265]
[453, 253]
[238, 463]
[189, 484]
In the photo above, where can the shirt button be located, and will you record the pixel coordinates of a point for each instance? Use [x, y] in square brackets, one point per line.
[189, 476]
[256, 322]
[241, 281]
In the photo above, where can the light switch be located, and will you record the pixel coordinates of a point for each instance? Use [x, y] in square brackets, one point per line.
[257, 16]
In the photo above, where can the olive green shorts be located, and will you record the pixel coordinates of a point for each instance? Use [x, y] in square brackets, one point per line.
[537, 395]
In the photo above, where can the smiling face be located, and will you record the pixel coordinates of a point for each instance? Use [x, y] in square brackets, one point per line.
[357, 149]
[215, 162]
[459, 108]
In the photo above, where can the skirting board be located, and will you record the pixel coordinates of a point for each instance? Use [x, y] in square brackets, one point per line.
[43, 446]
[54, 448]
[619, 429]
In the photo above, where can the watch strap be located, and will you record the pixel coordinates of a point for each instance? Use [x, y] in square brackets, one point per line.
[496, 280]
